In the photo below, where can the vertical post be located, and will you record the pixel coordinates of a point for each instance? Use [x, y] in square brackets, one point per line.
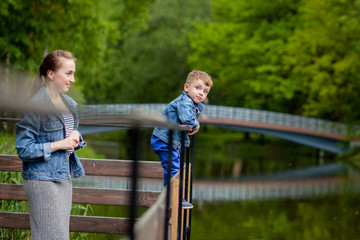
[6, 87]
[191, 182]
[181, 183]
[168, 187]
[186, 194]
[135, 156]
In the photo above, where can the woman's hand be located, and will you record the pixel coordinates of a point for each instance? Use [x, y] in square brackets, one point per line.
[69, 143]
[75, 135]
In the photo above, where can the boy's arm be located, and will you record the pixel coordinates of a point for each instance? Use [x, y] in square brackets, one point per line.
[187, 114]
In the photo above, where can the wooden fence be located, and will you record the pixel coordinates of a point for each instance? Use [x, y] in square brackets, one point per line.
[93, 224]
[151, 226]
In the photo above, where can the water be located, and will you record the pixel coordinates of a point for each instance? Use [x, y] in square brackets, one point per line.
[335, 217]
[225, 157]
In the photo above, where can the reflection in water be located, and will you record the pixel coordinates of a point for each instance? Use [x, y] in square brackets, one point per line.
[238, 191]
[256, 188]
[322, 218]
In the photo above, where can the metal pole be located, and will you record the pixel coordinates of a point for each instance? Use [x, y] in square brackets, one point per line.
[135, 156]
[181, 183]
[186, 193]
[168, 188]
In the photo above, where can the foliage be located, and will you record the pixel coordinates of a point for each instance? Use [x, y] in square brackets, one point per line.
[88, 152]
[153, 64]
[80, 209]
[323, 55]
[290, 56]
[90, 29]
[242, 49]
[7, 143]
[284, 55]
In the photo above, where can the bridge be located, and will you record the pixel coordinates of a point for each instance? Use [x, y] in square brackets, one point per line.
[318, 133]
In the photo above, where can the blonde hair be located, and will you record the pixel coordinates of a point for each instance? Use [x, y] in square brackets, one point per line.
[52, 61]
[199, 75]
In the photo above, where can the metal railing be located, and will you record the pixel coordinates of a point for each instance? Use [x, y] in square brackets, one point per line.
[228, 113]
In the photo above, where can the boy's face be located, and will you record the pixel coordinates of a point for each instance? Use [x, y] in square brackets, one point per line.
[197, 90]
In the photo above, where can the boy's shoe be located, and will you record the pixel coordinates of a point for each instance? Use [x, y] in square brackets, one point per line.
[186, 205]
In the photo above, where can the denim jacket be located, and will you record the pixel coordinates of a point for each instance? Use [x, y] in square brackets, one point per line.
[182, 110]
[34, 133]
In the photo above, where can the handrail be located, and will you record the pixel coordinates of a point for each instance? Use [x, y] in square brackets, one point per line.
[147, 115]
[229, 113]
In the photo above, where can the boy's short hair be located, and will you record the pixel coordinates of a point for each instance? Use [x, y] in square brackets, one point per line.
[199, 75]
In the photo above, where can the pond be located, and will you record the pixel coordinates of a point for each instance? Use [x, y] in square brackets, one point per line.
[226, 156]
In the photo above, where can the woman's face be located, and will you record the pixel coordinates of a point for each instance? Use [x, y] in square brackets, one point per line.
[63, 77]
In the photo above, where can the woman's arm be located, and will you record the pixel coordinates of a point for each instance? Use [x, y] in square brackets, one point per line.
[27, 145]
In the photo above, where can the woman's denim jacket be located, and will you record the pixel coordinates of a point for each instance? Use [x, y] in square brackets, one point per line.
[182, 110]
[34, 133]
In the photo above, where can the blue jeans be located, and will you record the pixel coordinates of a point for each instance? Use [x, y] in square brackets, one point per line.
[161, 149]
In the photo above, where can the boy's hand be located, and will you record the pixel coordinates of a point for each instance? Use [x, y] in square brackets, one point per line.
[193, 131]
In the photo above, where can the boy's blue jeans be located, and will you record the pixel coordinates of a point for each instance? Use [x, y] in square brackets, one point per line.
[161, 149]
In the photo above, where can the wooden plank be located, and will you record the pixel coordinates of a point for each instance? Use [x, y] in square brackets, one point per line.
[10, 163]
[99, 224]
[99, 167]
[77, 223]
[174, 207]
[14, 220]
[113, 197]
[88, 195]
[12, 192]
[122, 168]
[151, 224]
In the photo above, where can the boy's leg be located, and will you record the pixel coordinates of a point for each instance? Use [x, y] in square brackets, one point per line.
[163, 155]
[175, 162]
[161, 149]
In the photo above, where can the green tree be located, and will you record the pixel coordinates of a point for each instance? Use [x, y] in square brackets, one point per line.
[242, 49]
[89, 29]
[153, 64]
[323, 55]
[292, 56]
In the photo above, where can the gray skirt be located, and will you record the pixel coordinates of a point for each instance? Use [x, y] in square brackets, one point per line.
[50, 207]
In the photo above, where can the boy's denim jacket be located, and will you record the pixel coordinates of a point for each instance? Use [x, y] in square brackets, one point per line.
[181, 110]
[34, 133]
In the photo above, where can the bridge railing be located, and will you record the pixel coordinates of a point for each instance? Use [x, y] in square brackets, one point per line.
[230, 113]
[275, 118]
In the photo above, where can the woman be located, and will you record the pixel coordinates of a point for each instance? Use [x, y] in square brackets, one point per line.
[45, 141]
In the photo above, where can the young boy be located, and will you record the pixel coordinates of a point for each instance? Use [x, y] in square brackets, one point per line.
[184, 110]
